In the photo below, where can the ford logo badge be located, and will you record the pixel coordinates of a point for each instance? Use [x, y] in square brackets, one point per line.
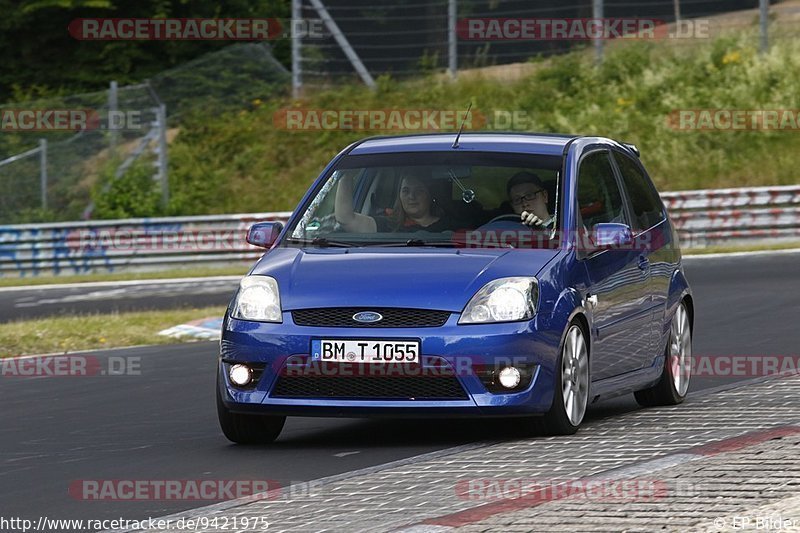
[367, 317]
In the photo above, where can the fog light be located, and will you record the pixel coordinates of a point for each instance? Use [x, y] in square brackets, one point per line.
[240, 375]
[509, 377]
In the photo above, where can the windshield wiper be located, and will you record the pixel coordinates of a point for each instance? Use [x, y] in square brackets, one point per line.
[437, 244]
[421, 242]
[322, 242]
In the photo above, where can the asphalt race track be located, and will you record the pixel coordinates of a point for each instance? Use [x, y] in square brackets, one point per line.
[162, 424]
[112, 296]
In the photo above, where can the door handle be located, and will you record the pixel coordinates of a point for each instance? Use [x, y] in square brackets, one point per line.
[644, 263]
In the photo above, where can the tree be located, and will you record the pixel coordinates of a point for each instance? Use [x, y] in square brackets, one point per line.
[40, 57]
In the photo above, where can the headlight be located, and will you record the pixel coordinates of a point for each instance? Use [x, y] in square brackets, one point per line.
[502, 300]
[258, 299]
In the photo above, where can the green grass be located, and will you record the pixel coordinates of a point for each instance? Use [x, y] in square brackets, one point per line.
[124, 276]
[241, 162]
[84, 332]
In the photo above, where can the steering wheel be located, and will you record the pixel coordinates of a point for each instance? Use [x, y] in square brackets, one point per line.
[513, 216]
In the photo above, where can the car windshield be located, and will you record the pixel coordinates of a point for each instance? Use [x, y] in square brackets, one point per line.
[443, 199]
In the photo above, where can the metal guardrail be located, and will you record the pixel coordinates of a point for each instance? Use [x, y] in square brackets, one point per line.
[735, 216]
[128, 245]
[703, 218]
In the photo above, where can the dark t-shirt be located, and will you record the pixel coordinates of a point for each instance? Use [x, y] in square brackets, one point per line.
[384, 225]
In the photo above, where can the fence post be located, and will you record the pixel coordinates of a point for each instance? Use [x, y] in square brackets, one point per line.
[43, 170]
[162, 154]
[763, 12]
[297, 73]
[112, 113]
[597, 14]
[677, 6]
[452, 40]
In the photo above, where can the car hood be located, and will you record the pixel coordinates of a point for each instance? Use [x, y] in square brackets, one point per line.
[424, 278]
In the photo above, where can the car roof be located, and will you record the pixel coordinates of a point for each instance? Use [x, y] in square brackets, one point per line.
[534, 143]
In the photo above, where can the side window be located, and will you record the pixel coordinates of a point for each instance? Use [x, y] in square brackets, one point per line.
[599, 199]
[644, 198]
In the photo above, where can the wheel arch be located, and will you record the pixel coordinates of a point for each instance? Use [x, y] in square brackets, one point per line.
[679, 291]
[570, 306]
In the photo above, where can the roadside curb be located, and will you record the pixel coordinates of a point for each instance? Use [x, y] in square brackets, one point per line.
[238, 502]
[676, 456]
[482, 512]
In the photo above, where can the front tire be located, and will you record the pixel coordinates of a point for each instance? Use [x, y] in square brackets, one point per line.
[571, 385]
[248, 429]
[671, 389]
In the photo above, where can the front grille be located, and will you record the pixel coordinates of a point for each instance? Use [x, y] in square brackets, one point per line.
[370, 387]
[393, 317]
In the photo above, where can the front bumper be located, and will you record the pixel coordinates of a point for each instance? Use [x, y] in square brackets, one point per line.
[468, 350]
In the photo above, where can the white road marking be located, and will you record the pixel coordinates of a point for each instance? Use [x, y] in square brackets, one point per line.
[692, 257]
[102, 284]
[344, 454]
[80, 352]
[144, 290]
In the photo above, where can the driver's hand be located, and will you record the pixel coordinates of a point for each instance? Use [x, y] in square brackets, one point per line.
[530, 219]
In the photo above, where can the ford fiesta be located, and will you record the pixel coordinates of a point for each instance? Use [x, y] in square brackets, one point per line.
[472, 275]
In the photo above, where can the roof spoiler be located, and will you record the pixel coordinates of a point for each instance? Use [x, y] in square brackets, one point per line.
[632, 147]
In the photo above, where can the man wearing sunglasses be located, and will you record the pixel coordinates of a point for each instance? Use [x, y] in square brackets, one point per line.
[528, 199]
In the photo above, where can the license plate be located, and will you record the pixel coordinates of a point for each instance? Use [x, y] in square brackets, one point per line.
[365, 351]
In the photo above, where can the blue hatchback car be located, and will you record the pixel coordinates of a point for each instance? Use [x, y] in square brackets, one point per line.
[443, 276]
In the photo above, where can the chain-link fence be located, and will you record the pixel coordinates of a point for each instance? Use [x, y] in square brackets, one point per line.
[56, 154]
[78, 139]
[51, 173]
[406, 39]
[227, 79]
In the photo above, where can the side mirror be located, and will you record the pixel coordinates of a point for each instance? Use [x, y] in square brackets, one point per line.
[264, 234]
[612, 235]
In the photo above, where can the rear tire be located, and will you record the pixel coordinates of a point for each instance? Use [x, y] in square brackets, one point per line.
[248, 429]
[571, 395]
[671, 389]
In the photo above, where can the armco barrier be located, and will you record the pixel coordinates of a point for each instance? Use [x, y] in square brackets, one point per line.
[128, 245]
[703, 217]
[736, 216]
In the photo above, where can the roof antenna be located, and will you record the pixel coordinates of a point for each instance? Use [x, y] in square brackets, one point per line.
[461, 128]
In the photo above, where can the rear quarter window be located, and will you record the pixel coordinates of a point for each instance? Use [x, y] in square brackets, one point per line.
[647, 209]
